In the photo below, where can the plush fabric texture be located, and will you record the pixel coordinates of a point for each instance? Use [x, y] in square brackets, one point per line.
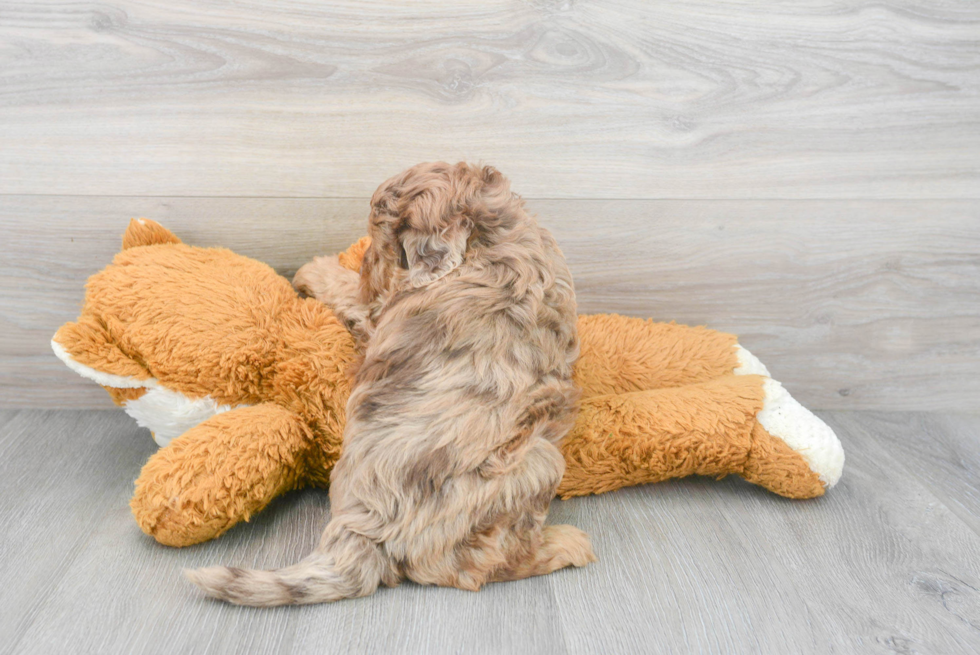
[220, 350]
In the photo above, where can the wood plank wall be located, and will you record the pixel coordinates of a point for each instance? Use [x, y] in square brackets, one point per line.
[805, 174]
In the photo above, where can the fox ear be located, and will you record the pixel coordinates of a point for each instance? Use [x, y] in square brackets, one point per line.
[85, 347]
[352, 257]
[144, 232]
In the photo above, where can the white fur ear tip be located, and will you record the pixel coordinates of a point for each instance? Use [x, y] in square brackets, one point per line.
[104, 379]
[748, 364]
[141, 221]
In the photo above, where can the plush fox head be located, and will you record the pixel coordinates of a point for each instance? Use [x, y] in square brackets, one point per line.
[177, 333]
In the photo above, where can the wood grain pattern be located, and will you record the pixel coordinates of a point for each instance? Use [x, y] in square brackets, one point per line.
[940, 451]
[62, 477]
[886, 562]
[6, 415]
[602, 99]
[852, 304]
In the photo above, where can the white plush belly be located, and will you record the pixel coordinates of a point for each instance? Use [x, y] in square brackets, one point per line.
[169, 414]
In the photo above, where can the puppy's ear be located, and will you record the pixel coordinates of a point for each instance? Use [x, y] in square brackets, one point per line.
[435, 223]
[430, 256]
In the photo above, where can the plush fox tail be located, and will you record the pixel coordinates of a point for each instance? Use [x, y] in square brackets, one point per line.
[346, 565]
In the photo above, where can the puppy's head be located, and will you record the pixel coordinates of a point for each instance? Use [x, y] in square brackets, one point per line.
[423, 220]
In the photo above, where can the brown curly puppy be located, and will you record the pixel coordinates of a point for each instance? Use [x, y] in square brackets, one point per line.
[467, 311]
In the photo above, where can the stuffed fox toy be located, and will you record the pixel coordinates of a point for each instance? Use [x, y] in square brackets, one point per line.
[244, 384]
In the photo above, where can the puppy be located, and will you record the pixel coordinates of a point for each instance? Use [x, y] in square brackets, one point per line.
[467, 311]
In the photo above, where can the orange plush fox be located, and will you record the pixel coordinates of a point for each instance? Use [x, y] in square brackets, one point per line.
[244, 384]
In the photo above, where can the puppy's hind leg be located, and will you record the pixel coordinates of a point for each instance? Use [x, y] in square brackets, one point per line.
[532, 548]
[561, 546]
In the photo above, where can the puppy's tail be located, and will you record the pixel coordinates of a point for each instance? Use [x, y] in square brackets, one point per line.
[346, 565]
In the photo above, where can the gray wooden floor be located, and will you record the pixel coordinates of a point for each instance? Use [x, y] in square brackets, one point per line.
[887, 562]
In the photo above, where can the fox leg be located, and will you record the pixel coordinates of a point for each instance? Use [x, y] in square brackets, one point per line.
[220, 472]
[620, 354]
[793, 453]
[736, 424]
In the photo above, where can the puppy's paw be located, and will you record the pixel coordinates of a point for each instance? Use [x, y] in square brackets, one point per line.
[324, 278]
[572, 546]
